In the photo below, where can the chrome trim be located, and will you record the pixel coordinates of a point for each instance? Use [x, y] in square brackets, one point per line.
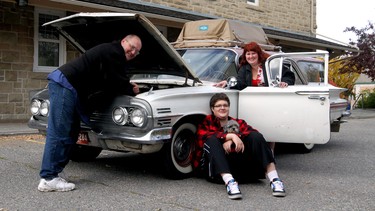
[312, 93]
[152, 137]
[164, 122]
[163, 110]
[33, 123]
[317, 97]
[339, 105]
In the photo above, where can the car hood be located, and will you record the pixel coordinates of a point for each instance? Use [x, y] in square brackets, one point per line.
[157, 56]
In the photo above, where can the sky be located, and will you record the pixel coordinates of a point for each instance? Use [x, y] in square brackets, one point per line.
[334, 16]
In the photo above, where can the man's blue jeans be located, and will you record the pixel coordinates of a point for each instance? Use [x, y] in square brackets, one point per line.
[62, 131]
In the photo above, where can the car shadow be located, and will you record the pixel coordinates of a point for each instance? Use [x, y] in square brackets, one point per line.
[287, 148]
[146, 165]
[127, 163]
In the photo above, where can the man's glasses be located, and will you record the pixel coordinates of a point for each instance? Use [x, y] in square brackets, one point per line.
[133, 48]
[221, 106]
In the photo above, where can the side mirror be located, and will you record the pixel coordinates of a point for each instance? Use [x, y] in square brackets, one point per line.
[231, 82]
[276, 82]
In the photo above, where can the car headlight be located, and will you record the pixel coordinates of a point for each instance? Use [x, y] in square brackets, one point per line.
[44, 108]
[34, 107]
[120, 115]
[137, 117]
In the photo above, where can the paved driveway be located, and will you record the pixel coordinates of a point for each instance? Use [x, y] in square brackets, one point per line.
[335, 176]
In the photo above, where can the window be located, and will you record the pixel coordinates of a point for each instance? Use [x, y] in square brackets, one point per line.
[313, 71]
[253, 2]
[49, 46]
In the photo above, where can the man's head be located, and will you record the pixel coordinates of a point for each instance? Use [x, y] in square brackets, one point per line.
[132, 44]
[219, 105]
[218, 96]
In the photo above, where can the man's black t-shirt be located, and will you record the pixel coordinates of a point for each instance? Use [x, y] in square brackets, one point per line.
[99, 71]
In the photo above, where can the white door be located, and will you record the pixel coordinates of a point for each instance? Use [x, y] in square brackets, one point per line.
[296, 114]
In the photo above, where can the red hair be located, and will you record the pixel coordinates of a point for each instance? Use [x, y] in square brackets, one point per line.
[253, 46]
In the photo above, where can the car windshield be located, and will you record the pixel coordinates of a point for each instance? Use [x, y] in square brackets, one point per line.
[210, 64]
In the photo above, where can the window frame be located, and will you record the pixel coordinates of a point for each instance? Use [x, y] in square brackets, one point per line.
[253, 2]
[61, 41]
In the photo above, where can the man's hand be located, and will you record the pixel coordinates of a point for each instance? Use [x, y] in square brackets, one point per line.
[233, 138]
[135, 87]
[227, 146]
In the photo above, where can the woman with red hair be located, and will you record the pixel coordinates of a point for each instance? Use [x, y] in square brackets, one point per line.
[252, 73]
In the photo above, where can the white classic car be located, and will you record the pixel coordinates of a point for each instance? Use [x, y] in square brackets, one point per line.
[163, 118]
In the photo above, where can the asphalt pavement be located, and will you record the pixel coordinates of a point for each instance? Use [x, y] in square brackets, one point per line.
[21, 128]
[335, 176]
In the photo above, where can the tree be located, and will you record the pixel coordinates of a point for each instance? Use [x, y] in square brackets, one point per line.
[365, 61]
[345, 80]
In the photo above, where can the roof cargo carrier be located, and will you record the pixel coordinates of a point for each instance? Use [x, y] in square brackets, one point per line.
[221, 33]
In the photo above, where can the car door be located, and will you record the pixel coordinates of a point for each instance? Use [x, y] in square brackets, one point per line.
[296, 114]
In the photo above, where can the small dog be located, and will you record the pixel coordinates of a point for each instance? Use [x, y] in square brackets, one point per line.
[232, 127]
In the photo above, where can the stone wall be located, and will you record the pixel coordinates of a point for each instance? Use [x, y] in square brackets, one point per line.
[17, 78]
[291, 15]
[18, 81]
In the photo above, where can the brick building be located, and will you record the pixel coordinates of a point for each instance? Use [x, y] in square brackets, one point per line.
[28, 52]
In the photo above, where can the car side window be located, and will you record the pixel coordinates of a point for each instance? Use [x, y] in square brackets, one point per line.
[313, 71]
[298, 78]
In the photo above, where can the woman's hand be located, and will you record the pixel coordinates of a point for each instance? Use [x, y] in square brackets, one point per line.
[221, 84]
[283, 84]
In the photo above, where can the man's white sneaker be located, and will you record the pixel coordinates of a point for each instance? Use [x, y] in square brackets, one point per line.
[56, 184]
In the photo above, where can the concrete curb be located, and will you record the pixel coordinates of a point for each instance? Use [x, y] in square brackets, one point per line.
[16, 133]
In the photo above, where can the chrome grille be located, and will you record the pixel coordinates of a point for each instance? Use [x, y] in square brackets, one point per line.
[99, 118]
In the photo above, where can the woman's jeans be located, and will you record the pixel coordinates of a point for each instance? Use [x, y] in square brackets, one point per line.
[62, 131]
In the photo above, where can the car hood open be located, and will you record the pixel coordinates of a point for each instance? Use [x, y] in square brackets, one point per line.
[157, 56]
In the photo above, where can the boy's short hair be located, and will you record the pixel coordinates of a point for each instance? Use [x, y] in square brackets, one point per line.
[218, 96]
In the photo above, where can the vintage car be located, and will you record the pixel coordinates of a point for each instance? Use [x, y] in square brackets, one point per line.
[212, 48]
[175, 95]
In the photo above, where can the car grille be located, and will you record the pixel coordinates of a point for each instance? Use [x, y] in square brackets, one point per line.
[100, 118]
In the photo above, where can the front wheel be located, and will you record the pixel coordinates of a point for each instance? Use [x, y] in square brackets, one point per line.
[305, 147]
[178, 153]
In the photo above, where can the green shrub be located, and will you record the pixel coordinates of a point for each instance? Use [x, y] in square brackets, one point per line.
[368, 99]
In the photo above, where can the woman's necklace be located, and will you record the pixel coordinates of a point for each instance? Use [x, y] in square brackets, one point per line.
[259, 73]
